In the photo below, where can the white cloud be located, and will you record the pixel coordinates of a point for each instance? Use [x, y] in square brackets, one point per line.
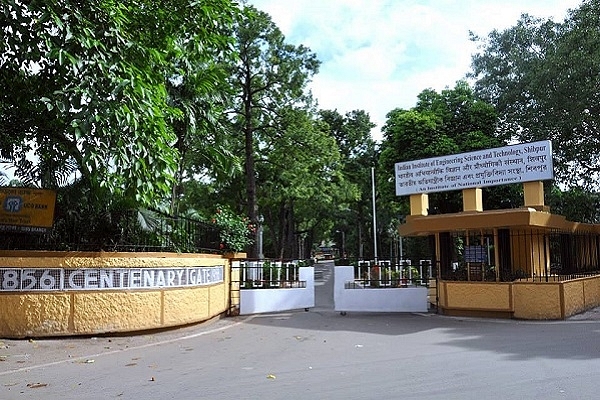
[379, 55]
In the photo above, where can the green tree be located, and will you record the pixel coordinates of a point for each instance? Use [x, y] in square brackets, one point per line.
[464, 118]
[199, 94]
[351, 222]
[83, 89]
[452, 121]
[542, 78]
[300, 182]
[575, 204]
[269, 77]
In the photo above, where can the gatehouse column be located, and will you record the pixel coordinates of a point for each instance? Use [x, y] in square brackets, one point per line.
[533, 195]
[419, 204]
[472, 200]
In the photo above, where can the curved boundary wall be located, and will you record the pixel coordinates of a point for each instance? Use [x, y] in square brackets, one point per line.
[45, 294]
[521, 299]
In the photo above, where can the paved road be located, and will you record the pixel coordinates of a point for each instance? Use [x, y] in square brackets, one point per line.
[315, 355]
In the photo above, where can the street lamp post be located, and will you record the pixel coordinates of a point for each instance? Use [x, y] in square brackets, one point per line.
[401, 249]
[374, 215]
[261, 219]
[343, 249]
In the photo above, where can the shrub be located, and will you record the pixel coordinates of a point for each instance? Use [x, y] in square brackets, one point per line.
[236, 232]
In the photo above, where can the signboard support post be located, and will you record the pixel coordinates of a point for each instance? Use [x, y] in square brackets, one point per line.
[472, 199]
[419, 204]
[533, 193]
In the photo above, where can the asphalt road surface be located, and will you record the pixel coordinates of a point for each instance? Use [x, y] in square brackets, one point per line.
[316, 355]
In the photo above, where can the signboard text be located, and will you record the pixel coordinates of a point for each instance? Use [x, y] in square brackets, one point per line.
[36, 279]
[491, 167]
[26, 209]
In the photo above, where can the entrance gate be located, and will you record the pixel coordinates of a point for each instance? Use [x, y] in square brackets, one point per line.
[271, 286]
[374, 288]
[265, 286]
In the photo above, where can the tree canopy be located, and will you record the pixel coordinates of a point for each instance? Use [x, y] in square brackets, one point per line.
[350, 221]
[542, 77]
[449, 122]
[83, 89]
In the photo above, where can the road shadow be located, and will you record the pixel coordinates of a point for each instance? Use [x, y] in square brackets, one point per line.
[513, 339]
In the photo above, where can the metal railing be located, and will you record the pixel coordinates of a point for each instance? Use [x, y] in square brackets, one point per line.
[507, 255]
[390, 274]
[269, 274]
[557, 278]
[124, 231]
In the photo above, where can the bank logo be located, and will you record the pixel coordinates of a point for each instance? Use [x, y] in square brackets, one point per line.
[12, 204]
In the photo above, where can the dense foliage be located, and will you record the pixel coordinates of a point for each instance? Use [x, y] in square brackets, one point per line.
[83, 89]
[351, 221]
[235, 232]
[188, 106]
[542, 77]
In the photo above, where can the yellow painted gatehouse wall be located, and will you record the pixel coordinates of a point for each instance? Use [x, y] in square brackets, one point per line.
[520, 300]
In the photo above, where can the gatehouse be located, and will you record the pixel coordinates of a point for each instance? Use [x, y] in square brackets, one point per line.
[520, 262]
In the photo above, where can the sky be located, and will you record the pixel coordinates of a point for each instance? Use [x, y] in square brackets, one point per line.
[378, 55]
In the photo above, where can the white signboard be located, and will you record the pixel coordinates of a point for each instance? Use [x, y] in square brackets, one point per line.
[44, 279]
[491, 167]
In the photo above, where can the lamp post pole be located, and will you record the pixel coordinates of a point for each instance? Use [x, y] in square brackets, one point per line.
[374, 215]
[261, 219]
[343, 249]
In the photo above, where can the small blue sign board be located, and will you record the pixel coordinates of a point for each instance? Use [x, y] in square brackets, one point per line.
[475, 254]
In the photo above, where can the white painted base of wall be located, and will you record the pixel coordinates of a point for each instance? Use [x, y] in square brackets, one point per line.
[409, 299]
[256, 301]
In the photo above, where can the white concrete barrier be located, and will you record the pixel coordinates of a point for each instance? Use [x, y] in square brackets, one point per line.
[405, 299]
[256, 301]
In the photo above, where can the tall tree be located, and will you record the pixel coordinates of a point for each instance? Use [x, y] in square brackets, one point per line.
[199, 95]
[300, 182]
[271, 75]
[542, 77]
[351, 221]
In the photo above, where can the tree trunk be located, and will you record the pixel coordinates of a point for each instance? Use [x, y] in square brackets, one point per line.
[249, 157]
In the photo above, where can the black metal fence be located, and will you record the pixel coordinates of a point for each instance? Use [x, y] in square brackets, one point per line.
[390, 272]
[268, 274]
[558, 278]
[532, 255]
[132, 231]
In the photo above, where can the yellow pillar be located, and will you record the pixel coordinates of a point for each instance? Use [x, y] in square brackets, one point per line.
[419, 204]
[438, 255]
[533, 193]
[496, 255]
[472, 200]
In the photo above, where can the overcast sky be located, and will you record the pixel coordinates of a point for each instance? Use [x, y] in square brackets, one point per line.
[378, 55]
